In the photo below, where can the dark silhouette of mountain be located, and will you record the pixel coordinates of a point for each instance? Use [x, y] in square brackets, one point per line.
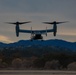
[38, 43]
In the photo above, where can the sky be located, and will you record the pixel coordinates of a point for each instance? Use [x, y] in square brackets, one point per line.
[37, 11]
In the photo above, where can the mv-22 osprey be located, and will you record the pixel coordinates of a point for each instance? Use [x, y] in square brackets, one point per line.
[36, 34]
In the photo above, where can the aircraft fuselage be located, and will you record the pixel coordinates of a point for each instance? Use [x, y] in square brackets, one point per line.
[37, 37]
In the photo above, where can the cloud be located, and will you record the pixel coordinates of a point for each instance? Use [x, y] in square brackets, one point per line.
[5, 39]
[51, 6]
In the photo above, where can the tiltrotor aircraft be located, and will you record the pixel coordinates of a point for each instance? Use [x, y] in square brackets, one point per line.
[36, 34]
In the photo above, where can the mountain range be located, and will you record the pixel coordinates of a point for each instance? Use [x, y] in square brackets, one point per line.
[38, 43]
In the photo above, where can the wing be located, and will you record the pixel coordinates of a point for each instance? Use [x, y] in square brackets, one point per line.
[44, 31]
[25, 31]
[36, 31]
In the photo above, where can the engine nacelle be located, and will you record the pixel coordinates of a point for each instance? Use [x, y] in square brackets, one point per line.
[54, 33]
[55, 29]
[17, 30]
[46, 31]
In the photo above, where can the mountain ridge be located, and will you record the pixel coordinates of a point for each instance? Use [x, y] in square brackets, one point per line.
[55, 42]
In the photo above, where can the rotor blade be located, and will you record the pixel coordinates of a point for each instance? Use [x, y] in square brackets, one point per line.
[54, 22]
[48, 22]
[24, 22]
[61, 22]
[18, 22]
[10, 23]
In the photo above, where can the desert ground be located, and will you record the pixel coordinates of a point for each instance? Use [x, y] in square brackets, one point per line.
[36, 72]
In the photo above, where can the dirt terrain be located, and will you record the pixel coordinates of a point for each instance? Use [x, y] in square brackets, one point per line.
[36, 72]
